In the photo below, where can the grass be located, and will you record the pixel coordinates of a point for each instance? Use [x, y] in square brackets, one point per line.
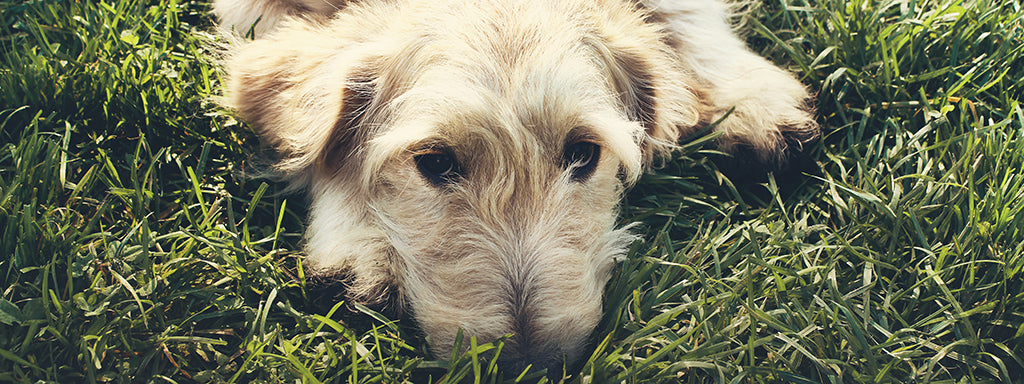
[134, 250]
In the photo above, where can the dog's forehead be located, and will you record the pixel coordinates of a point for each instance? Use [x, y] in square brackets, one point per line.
[539, 113]
[545, 103]
[521, 80]
[510, 92]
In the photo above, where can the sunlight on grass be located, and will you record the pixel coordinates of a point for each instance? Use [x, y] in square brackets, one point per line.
[135, 248]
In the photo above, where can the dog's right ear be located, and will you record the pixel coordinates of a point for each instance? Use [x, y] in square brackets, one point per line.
[304, 99]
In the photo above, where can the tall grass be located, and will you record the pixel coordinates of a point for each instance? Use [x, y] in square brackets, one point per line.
[135, 249]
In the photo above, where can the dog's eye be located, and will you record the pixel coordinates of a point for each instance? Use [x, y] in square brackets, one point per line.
[581, 158]
[437, 167]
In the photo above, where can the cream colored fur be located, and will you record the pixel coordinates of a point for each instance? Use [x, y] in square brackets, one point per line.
[349, 93]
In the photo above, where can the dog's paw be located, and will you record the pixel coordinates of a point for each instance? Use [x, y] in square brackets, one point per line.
[770, 136]
[766, 113]
[767, 136]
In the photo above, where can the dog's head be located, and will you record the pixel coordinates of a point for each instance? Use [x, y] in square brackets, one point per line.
[467, 164]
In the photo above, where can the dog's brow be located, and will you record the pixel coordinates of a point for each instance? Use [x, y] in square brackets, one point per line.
[432, 143]
[582, 133]
[429, 145]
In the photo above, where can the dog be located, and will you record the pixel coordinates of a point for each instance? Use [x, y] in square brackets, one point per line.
[465, 159]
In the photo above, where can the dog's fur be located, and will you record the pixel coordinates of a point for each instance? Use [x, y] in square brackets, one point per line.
[350, 93]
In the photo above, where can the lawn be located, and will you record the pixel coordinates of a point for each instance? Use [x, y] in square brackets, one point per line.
[136, 245]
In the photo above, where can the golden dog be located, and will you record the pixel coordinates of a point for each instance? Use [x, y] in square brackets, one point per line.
[465, 158]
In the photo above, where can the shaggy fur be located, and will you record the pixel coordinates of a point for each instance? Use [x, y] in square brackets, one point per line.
[517, 239]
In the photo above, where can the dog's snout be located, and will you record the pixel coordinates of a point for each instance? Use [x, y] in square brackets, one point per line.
[528, 348]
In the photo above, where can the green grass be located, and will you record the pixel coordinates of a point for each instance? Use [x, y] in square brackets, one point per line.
[134, 249]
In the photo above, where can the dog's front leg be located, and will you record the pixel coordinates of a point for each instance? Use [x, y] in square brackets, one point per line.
[770, 108]
[257, 18]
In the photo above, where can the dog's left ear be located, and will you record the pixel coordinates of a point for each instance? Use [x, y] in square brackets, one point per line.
[643, 71]
[305, 99]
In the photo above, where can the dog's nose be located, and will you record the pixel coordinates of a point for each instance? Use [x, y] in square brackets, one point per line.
[512, 369]
[516, 357]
